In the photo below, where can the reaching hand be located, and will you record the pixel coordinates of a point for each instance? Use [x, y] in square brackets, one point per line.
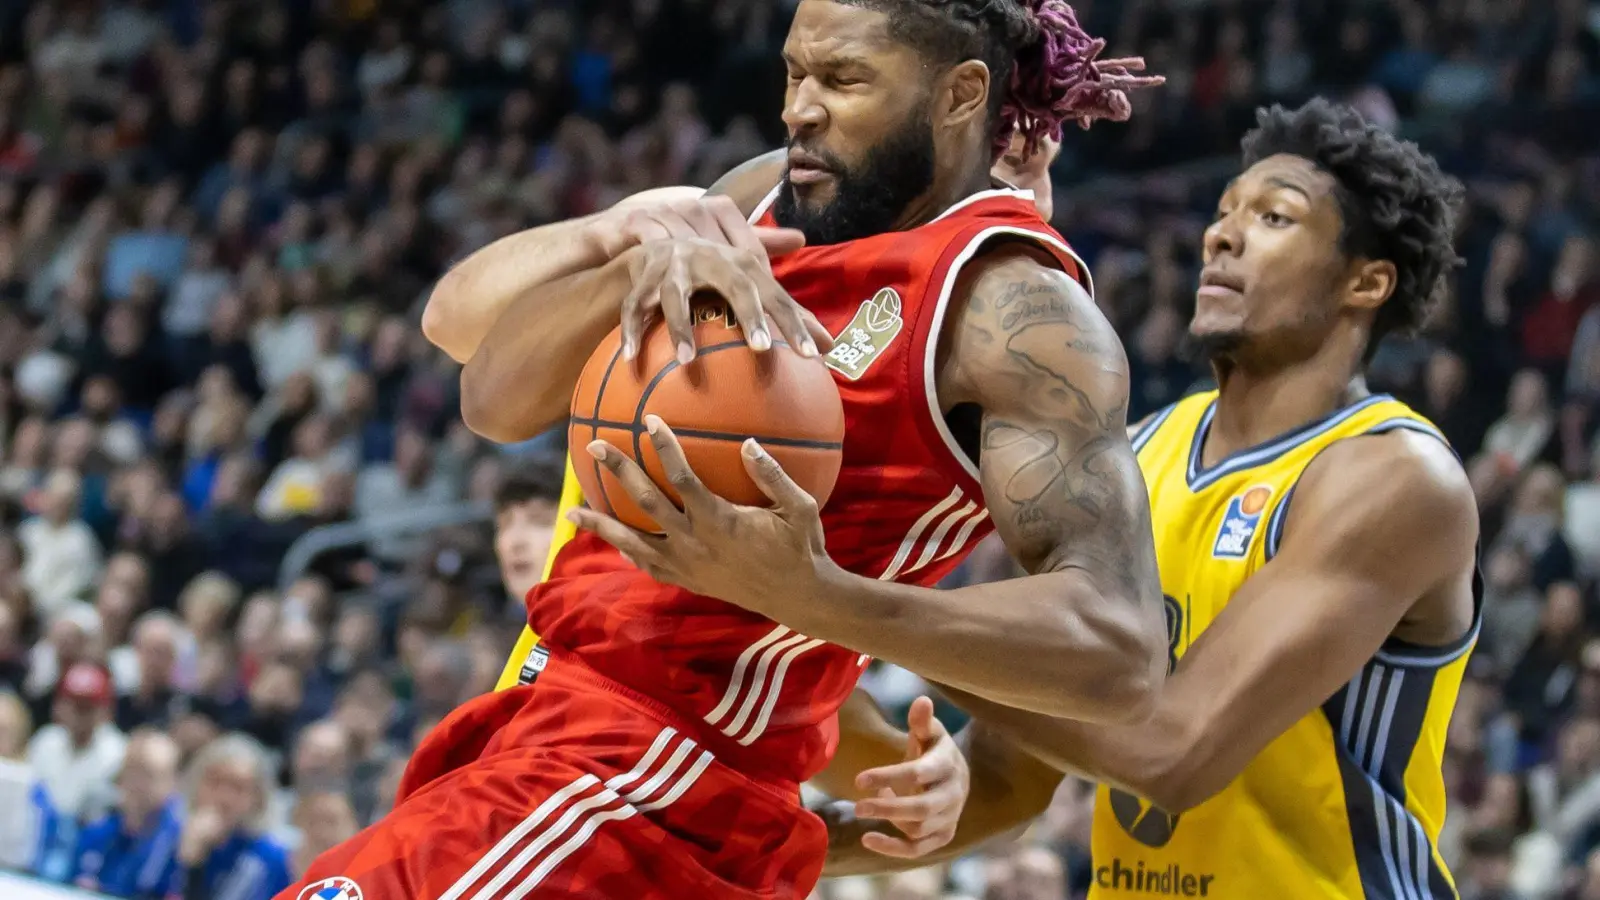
[751, 557]
[676, 238]
[922, 796]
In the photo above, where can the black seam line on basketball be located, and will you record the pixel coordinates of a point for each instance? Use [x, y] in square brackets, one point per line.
[644, 395]
[594, 433]
[712, 435]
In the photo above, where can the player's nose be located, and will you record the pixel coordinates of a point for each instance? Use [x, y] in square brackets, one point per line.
[803, 110]
[1223, 236]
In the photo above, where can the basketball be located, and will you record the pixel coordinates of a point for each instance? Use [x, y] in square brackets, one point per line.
[728, 394]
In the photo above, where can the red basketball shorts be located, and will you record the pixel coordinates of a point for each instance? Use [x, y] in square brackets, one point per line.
[575, 787]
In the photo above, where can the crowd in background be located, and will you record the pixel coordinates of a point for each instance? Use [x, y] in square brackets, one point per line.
[218, 220]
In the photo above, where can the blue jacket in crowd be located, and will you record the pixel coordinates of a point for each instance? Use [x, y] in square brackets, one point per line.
[138, 866]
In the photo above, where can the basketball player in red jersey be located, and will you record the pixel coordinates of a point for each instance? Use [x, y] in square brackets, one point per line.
[659, 750]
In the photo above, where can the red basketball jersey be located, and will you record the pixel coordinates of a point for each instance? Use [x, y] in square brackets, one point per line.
[907, 506]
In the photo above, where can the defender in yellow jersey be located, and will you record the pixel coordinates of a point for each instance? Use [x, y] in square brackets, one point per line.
[1317, 553]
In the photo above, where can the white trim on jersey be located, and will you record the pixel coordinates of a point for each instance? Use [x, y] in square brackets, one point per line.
[1008, 191]
[766, 203]
[780, 646]
[929, 373]
[930, 530]
[598, 805]
[736, 680]
[915, 534]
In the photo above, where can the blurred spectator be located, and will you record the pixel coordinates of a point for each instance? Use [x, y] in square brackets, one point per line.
[77, 756]
[132, 852]
[61, 557]
[223, 841]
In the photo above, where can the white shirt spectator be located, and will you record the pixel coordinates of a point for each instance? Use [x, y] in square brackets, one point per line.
[19, 822]
[80, 781]
[60, 562]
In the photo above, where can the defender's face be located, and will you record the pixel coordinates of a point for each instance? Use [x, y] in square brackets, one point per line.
[1274, 266]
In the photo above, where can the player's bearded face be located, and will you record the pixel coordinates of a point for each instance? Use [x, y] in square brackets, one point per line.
[865, 197]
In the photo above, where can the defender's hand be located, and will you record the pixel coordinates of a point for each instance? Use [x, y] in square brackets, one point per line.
[750, 557]
[923, 796]
[716, 220]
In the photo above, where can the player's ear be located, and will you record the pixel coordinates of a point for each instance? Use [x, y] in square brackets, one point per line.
[1372, 283]
[965, 94]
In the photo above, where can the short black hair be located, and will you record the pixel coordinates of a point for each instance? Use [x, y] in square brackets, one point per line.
[538, 478]
[1396, 203]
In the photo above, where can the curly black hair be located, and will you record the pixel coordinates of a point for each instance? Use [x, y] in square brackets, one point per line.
[1396, 202]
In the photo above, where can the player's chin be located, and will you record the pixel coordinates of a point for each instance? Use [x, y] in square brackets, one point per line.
[1213, 333]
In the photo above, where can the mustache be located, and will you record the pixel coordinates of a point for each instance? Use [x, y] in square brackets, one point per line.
[831, 161]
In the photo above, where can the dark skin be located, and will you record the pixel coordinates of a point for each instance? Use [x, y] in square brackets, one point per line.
[1025, 343]
[1061, 484]
[1356, 566]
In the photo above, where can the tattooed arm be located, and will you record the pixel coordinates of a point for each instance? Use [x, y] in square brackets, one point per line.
[1081, 638]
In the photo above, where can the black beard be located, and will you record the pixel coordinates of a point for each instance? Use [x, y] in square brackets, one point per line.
[1211, 348]
[869, 198]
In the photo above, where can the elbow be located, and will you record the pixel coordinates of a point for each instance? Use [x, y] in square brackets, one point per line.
[1132, 669]
[1180, 785]
[488, 411]
[436, 317]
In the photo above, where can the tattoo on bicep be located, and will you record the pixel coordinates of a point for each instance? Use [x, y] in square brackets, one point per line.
[1070, 482]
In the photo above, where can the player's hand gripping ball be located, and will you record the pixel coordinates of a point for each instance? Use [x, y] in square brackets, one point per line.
[728, 394]
[727, 502]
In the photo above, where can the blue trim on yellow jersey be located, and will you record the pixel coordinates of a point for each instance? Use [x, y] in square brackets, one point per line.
[1200, 478]
[1151, 426]
[1377, 719]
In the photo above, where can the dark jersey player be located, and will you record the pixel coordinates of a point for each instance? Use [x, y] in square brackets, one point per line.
[659, 751]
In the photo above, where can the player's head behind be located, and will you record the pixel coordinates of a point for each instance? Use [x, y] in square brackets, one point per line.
[887, 96]
[1337, 234]
[524, 518]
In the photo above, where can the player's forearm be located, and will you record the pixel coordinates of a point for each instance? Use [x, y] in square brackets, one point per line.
[473, 295]
[1009, 789]
[1054, 643]
[1163, 759]
[519, 383]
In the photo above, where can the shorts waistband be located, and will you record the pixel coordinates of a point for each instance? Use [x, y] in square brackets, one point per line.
[747, 762]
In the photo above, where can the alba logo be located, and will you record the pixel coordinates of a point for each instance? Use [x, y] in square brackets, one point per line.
[1240, 523]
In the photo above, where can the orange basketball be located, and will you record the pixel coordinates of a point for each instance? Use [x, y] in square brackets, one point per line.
[727, 395]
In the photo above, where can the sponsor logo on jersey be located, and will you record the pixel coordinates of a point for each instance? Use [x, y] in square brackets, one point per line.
[876, 324]
[1168, 881]
[336, 888]
[1240, 524]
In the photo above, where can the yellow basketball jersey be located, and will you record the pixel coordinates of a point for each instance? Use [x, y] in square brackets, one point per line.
[1348, 802]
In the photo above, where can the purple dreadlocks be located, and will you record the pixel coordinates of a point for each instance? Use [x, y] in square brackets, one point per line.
[1043, 66]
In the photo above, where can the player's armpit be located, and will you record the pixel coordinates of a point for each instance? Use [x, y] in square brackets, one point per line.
[1377, 523]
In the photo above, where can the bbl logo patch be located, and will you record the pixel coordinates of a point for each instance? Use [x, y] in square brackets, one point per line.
[336, 888]
[1240, 524]
[876, 325]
